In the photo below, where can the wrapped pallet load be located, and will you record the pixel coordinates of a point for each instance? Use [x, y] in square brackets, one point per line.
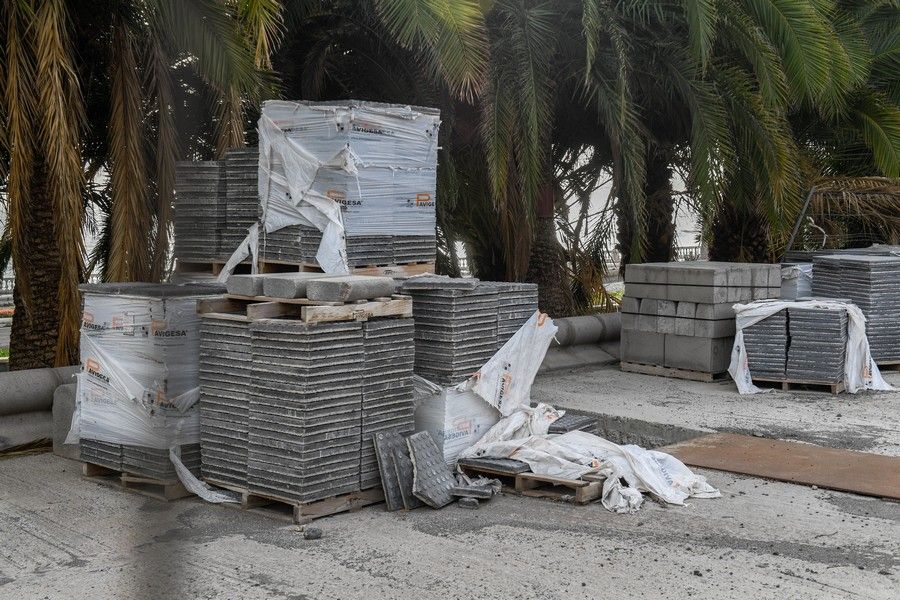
[344, 183]
[138, 390]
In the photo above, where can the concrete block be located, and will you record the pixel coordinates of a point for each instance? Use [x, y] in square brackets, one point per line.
[666, 308]
[714, 329]
[714, 311]
[665, 324]
[245, 285]
[684, 326]
[698, 293]
[740, 275]
[685, 310]
[630, 321]
[709, 355]
[740, 294]
[288, 285]
[643, 347]
[631, 305]
[646, 290]
[774, 276]
[703, 273]
[349, 288]
[649, 306]
[647, 273]
[63, 409]
[647, 322]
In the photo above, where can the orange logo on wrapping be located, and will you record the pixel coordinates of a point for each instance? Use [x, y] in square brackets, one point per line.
[336, 195]
[158, 326]
[541, 318]
[423, 198]
[92, 365]
[87, 317]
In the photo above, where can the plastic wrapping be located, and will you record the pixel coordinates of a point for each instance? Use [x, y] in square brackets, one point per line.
[860, 371]
[796, 281]
[138, 384]
[349, 167]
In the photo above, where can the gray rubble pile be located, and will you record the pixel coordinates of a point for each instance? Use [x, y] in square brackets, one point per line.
[680, 314]
[873, 284]
[199, 215]
[460, 324]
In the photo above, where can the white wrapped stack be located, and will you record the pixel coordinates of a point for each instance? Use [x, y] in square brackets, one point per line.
[138, 386]
[349, 169]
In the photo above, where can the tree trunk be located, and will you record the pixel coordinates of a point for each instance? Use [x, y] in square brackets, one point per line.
[739, 234]
[35, 327]
[659, 226]
[547, 263]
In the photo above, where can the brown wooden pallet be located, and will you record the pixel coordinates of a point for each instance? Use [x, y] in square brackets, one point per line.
[578, 491]
[398, 270]
[146, 486]
[252, 308]
[660, 371]
[298, 512]
[891, 365]
[788, 385]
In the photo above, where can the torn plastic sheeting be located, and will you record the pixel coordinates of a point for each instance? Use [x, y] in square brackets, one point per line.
[505, 380]
[860, 371]
[364, 165]
[197, 487]
[576, 453]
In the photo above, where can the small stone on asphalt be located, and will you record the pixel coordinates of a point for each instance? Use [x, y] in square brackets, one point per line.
[311, 533]
[471, 503]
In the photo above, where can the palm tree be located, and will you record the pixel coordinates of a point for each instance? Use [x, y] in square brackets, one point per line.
[86, 87]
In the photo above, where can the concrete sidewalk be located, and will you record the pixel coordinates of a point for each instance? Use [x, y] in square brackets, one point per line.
[64, 537]
[655, 411]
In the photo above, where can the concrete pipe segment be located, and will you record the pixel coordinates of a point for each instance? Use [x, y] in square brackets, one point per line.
[31, 390]
[589, 329]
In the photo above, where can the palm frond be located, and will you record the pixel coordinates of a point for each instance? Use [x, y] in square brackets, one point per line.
[61, 115]
[129, 258]
[263, 26]
[166, 152]
[451, 34]
[879, 121]
[20, 103]
[701, 18]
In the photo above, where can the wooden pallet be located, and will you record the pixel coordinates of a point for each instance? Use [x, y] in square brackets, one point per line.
[631, 367]
[146, 486]
[578, 491]
[252, 308]
[298, 512]
[788, 385]
[398, 270]
[891, 365]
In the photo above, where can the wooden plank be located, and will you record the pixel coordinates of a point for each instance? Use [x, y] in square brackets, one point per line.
[533, 479]
[660, 371]
[92, 470]
[795, 384]
[357, 312]
[272, 310]
[221, 304]
[300, 301]
[808, 464]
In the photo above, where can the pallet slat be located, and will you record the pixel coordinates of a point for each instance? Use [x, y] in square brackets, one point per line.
[660, 371]
[251, 308]
[146, 486]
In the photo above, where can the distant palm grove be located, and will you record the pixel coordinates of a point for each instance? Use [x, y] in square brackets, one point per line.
[746, 104]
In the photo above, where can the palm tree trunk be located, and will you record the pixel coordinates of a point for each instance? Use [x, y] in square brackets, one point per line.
[546, 266]
[660, 206]
[35, 328]
[739, 234]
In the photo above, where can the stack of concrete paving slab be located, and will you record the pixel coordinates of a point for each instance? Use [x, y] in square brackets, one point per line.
[679, 315]
[225, 387]
[101, 453]
[299, 244]
[460, 323]
[155, 462]
[387, 393]
[241, 198]
[199, 212]
[873, 284]
[818, 344]
[767, 345]
[305, 409]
